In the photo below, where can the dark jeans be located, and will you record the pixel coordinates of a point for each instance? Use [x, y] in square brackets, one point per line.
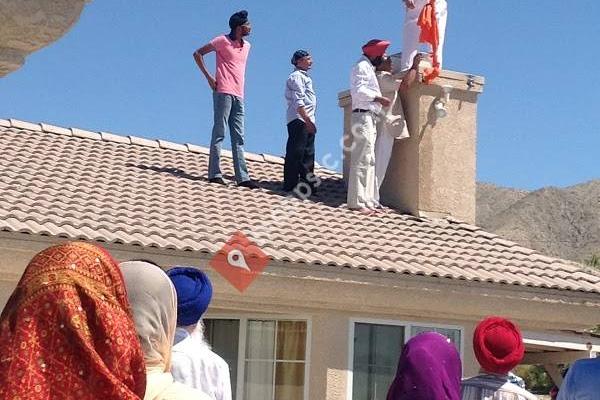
[299, 157]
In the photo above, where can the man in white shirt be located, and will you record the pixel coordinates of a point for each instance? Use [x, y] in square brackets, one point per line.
[367, 103]
[498, 347]
[192, 361]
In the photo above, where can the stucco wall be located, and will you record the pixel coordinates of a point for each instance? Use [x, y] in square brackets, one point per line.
[332, 297]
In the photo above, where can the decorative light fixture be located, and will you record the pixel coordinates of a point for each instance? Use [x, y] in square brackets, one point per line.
[440, 104]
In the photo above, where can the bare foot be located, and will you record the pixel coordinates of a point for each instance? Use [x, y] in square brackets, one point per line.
[412, 74]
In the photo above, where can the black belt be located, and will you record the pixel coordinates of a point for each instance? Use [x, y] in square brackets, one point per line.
[360, 110]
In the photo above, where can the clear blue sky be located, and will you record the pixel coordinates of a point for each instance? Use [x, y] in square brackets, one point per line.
[127, 67]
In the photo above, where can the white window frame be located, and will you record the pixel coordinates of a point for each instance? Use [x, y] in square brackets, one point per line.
[407, 325]
[241, 367]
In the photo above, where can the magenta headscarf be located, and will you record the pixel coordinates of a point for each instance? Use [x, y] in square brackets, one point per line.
[429, 369]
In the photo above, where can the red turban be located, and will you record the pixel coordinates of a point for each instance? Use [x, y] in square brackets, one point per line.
[498, 345]
[375, 48]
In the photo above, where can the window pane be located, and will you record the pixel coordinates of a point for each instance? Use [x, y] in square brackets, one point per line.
[223, 337]
[289, 381]
[258, 380]
[260, 343]
[381, 379]
[452, 334]
[291, 340]
[360, 382]
[362, 338]
[376, 352]
[387, 344]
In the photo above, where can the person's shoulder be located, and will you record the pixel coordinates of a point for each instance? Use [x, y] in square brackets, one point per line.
[516, 389]
[587, 363]
[364, 65]
[296, 75]
[183, 345]
[483, 378]
[581, 369]
[219, 40]
[179, 391]
[219, 361]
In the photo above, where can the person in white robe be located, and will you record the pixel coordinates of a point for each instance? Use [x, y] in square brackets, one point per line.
[412, 31]
[194, 362]
[391, 124]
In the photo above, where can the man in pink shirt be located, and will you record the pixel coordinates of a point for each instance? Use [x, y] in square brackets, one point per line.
[228, 97]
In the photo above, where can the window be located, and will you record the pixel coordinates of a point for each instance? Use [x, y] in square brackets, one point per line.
[452, 334]
[223, 336]
[271, 361]
[376, 350]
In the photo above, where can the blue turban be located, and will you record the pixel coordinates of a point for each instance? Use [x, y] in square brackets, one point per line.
[194, 293]
[298, 55]
[237, 19]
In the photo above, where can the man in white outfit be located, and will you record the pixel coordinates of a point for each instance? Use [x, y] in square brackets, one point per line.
[412, 31]
[193, 363]
[391, 125]
[367, 103]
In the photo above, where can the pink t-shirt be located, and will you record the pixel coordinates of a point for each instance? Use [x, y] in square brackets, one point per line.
[231, 65]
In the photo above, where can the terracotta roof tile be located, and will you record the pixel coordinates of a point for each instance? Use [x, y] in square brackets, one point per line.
[126, 189]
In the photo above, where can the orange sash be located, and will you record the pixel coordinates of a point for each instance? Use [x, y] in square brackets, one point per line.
[430, 34]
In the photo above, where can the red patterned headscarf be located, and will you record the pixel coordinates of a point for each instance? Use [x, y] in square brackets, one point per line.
[67, 331]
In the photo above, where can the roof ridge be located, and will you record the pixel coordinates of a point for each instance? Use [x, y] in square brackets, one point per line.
[136, 140]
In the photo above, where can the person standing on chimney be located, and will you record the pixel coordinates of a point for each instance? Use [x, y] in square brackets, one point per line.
[412, 32]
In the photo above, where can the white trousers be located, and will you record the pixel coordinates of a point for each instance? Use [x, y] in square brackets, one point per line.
[361, 181]
[411, 32]
[384, 144]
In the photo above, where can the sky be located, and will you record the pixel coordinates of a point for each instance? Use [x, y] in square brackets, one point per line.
[126, 67]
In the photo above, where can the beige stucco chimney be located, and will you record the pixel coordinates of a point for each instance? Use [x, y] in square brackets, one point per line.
[432, 173]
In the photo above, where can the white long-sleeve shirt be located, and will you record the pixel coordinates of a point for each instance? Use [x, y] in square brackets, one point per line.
[364, 87]
[193, 363]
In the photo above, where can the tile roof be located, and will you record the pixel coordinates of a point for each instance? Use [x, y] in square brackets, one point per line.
[125, 189]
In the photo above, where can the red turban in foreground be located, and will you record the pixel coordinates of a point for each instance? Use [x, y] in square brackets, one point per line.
[498, 345]
[375, 48]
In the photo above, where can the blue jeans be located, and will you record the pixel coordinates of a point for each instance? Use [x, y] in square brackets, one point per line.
[228, 111]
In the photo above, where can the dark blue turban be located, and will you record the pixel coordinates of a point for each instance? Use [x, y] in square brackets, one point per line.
[237, 19]
[194, 293]
[298, 54]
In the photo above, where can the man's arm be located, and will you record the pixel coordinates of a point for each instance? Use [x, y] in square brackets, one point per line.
[298, 93]
[199, 57]
[310, 126]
